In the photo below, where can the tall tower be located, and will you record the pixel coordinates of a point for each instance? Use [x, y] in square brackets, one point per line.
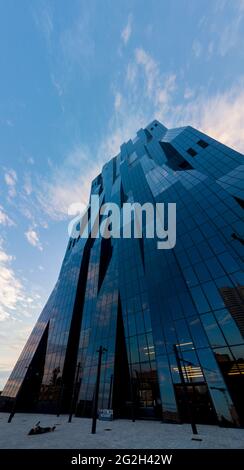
[171, 320]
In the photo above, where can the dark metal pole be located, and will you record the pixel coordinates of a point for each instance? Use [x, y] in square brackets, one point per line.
[60, 398]
[74, 392]
[189, 410]
[110, 391]
[96, 394]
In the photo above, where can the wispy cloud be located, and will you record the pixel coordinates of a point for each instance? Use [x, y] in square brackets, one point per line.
[4, 218]
[220, 115]
[43, 18]
[145, 91]
[33, 238]
[230, 35]
[10, 178]
[70, 47]
[150, 66]
[188, 93]
[27, 184]
[117, 101]
[131, 73]
[76, 41]
[67, 183]
[224, 27]
[10, 286]
[196, 48]
[126, 33]
[157, 86]
[20, 304]
[57, 85]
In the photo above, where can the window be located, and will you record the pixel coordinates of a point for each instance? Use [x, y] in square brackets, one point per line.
[151, 128]
[202, 143]
[192, 152]
[199, 299]
[213, 295]
[228, 326]
[185, 341]
[212, 330]
[185, 165]
[197, 332]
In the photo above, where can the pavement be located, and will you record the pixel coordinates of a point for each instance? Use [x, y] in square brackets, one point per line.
[118, 434]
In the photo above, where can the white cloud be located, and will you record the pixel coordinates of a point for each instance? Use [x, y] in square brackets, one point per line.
[122, 127]
[76, 41]
[163, 92]
[44, 21]
[230, 35]
[147, 93]
[220, 115]
[10, 177]
[126, 33]
[10, 286]
[151, 68]
[188, 93]
[227, 26]
[33, 238]
[70, 47]
[150, 94]
[68, 183]
[117, 101]
[158, 87]
[27, 185]
[196, 48]
[131, 73]
[4, 218]
[57, 85]
[30, 160]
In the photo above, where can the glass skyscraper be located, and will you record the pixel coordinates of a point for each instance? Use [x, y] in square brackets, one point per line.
[172, 321]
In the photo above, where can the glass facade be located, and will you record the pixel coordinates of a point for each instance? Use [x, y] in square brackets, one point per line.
[172, 321]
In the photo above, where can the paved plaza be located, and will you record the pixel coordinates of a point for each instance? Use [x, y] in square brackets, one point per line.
[118, 434]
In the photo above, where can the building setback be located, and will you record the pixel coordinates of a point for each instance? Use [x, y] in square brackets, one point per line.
[172, 321]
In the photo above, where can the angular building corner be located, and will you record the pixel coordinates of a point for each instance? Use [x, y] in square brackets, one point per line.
[172, 321]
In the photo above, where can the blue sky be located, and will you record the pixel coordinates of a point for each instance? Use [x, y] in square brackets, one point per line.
[77, 79]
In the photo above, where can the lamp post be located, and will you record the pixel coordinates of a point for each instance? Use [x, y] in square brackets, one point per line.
[110, 391]
[60, 398]
[74, 392]
[189, 410]
[100, 351]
